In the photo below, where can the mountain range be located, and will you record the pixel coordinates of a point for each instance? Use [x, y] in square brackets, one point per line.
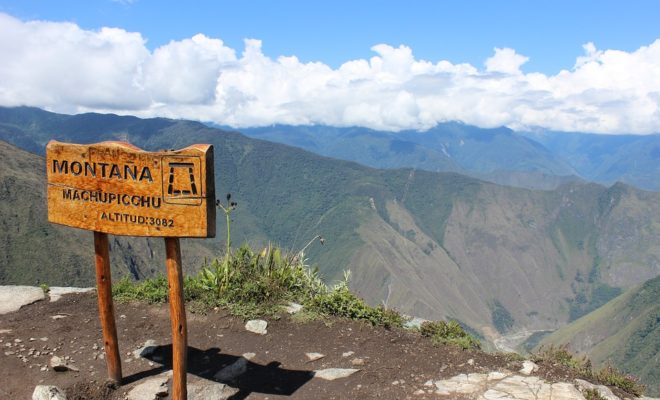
[433, 244]
[535, 160]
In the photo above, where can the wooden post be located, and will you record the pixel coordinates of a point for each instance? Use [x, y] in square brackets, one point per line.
[106, 308]
[178, 319]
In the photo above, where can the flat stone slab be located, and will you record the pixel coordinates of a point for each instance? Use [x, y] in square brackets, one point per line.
[210, 390]
[56, 292]
[44, 392]
[257, 326]
[499, 385]
[330, 374]
[12, 298]
[151, 388]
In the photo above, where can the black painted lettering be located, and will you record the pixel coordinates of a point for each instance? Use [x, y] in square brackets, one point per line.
[130, 170]
[66, 194]
[76, 168]
[146, 174]
[114, 171]
[90, 169]
[62, 168]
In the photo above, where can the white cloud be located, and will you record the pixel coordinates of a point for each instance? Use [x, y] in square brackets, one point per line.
[506, 61]
[61, 67]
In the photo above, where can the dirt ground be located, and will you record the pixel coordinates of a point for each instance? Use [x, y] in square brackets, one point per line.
[394, 364]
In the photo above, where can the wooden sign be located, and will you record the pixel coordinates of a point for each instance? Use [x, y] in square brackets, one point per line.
[116, 188]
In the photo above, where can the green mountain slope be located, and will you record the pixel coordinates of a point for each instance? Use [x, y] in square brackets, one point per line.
[496, 155]
[430, 244]
[633, 159]
[626, 331]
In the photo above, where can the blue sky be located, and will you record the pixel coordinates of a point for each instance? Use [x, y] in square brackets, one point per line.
[559, 65]
[550, 33]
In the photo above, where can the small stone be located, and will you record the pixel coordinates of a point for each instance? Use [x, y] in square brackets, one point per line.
[528, 367]
[60, 365]
[470, 361]
[151, 389]
[232, 371]
[146, 350]
[347, 354]
[293, 308]
[249, 356]
[43, 392]
[18, 341]
[95, 347]
[43, 339]
[395, 383]
[314, 356]
[357, 361]
[58, 316]
[330, 374]
[419, 392]
[257, 326]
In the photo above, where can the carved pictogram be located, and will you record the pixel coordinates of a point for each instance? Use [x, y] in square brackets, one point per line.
[181, 180]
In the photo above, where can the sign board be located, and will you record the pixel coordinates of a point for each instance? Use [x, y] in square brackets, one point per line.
[117, 188]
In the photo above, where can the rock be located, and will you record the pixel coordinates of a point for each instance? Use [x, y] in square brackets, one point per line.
[249, 356]
[603, 391]
[257, 326]
[56, 293]
[44, 392]
[293, 308]
[414, 323]
[146, 350]
[12, 298]
[232, 371]
[211, 390]
[347, 354]
[330, 374]
[357, 361]
[314, 356]
[498, 385]
[151, 389]
[58, 316]
[61, 365]
[528, 367]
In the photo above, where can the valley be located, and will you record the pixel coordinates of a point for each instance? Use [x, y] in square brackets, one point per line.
[499, 259]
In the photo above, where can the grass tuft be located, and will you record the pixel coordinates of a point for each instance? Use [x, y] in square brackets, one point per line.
[451, 332]
[608, 375]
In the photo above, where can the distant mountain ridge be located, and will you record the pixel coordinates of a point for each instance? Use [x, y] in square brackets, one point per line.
[497, 258]
[520, 159]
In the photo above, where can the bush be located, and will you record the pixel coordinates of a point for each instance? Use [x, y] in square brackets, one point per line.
[562, 356]
[341, 302]
[449, 333]
[609, 375]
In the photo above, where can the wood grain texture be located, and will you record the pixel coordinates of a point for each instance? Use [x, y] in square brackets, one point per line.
[106, 307]
[177, 319]
[114, 187]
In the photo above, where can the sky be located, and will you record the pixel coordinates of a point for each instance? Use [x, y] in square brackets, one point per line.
[529, 65]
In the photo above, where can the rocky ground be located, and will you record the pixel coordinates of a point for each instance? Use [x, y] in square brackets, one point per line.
[60, 344]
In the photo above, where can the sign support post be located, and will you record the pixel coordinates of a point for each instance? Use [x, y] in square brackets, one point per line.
[177, 319]
[116, 188]
[106, 307]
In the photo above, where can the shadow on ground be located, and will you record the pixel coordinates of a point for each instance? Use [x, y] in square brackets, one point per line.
[266, 379]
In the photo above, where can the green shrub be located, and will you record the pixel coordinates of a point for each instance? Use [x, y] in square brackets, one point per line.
[592, 394]
[562, 356]
[341, 302]
[609, 375]
[449, 333]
